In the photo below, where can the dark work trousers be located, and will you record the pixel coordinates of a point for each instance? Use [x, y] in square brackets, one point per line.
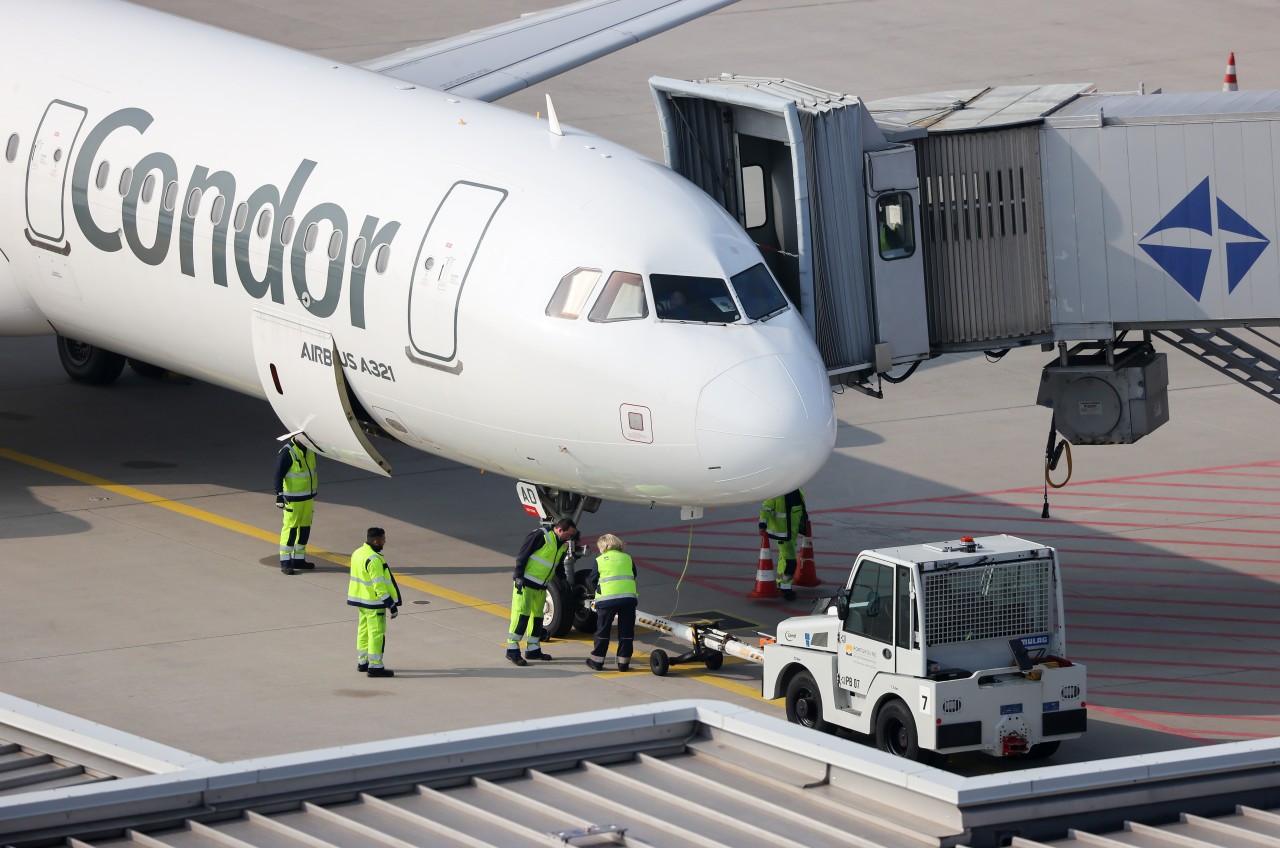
[624, 609]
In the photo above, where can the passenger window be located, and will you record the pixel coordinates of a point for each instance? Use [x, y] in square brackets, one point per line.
[103, 172]
[704, 300]
[264, 222]
[193, 202]
[309, 240]
[759, 294]
[242, 217]
[755, 212]
[381, 260]
[11, 149]
[218, 207]
[148, 188]
[572, 293]
[893, 218]
[871, 602]
[357, 252]
[286, 230]
[621, 300]
[126, 181]
[335, 245]
[171, 195]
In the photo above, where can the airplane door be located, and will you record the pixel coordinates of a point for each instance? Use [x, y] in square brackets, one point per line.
[444, 260]
[300, 370]
[47, 173]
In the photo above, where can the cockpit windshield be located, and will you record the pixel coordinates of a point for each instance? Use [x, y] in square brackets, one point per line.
[705, 300]
[758, 292]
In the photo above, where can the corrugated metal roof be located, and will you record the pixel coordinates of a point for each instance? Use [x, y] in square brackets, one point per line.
[27, 769]
[1173, 105]
[976, 108]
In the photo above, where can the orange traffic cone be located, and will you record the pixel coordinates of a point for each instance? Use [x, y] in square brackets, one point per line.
[1229, 79]
[806, 573]
[766, 573]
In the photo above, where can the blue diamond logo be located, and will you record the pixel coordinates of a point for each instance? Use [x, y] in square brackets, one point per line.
[1189, 266]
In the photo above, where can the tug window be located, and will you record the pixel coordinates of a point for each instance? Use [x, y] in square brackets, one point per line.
[704, 300]
[572, 293]
[622, 299]
[893, 219]
[759, 294]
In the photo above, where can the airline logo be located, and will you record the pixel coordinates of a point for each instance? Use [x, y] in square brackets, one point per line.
[1189, 266]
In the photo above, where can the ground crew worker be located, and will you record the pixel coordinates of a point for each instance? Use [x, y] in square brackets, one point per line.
[374, 593]
[615, 580]
[784, 519]
[536, 562]
[295, 485]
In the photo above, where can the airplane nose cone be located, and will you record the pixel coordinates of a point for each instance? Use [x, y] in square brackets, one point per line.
[766, 425]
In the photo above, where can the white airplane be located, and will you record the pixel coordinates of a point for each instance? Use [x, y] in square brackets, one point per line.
[378, 250]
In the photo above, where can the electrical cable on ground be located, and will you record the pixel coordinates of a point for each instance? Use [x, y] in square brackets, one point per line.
[687, 555]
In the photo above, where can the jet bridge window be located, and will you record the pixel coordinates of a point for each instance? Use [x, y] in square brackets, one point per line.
[893, 218]
[11, 149]
[622, 299]
[572, 293]
[758, 292]
[704, 300]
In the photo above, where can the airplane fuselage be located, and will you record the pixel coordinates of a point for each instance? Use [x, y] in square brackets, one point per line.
[172, 187]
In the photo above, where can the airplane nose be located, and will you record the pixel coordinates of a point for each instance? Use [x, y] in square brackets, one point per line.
[766, 425]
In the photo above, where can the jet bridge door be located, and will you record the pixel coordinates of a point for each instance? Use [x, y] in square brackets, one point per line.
[300, 370]
[897, 263]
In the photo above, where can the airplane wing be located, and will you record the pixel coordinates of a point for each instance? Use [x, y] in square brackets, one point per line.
[493, 62]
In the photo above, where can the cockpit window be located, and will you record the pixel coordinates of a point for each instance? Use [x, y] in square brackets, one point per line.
[705, 300]
[572, 293]
[758, 292]
[621, 300]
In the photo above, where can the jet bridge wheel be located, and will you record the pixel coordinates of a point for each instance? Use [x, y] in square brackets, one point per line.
[85, 363]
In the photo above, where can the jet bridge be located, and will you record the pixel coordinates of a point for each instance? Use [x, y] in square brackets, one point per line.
[993, 218]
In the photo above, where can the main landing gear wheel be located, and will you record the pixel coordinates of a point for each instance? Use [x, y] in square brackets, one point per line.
[85, 363]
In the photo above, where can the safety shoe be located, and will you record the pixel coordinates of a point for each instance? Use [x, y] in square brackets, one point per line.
[362, 667]
[788, 594]
[304, 564]
[379, 671]
[285, 569]
[540, 655]
[594, 666]
[517, 659]
[624, 666]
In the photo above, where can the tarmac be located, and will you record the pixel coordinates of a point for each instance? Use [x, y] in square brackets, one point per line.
[144, 514]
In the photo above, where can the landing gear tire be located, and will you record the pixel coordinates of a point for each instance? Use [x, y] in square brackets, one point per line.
[87, 364]
[557, 615]
[804, 703]
[896, 733]
[584, 620]
[1043, 750]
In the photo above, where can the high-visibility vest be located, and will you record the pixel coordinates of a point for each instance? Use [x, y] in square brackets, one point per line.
[773, 513]
[371, 585]
[617, 576]
[300, 481]
[542, 562]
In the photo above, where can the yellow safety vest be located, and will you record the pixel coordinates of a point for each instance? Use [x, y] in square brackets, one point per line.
[301, 482]
[542, 562]
[371, 585]
[617, 576]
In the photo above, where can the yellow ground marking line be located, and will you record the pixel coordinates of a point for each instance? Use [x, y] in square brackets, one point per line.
[240, 527]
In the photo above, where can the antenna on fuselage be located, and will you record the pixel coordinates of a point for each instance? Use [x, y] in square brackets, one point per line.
[553, 121]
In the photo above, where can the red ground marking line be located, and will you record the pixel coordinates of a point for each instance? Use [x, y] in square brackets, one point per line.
[1235, 474]
[1253, 590]
[1166, 569]
[1243, 637]
[1128, 715]
[1080, 508]
[1075, 611]
[1039, 520]
[715, 584]
[1060, 493]
[1195, 486]
[1116, 693]
[1091, 537]
[1230, 604]
[1136, 540]
[1268, 719]
[1171, 662]
[1134, 646]
[1184, 681]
